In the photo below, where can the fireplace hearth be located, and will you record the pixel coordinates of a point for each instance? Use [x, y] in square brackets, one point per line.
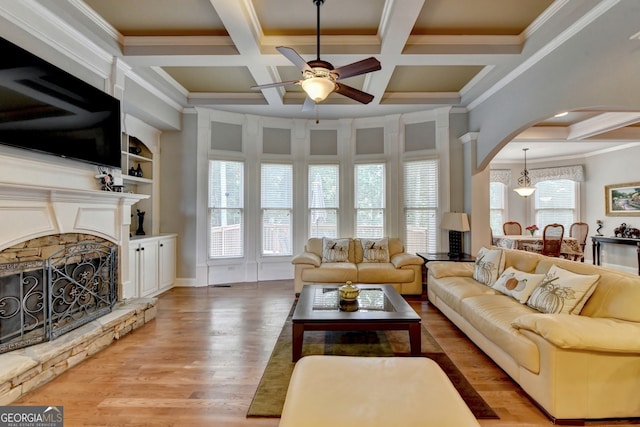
[41, 300]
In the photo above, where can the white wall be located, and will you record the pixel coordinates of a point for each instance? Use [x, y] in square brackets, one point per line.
[185, 154]
[616, 167]
[178, 193]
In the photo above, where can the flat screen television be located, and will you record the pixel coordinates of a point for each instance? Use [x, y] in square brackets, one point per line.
[46, 109]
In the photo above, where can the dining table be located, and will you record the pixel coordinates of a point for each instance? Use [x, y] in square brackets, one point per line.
[570, 248]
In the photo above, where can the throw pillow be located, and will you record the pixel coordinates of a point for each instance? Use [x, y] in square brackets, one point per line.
[517, 284]
[489, 264]
[561, 290]
[335, 250]
[375, 250]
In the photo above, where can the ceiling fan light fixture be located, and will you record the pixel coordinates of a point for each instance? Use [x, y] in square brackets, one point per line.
[525, 189]
[318, 88]
[320, 78]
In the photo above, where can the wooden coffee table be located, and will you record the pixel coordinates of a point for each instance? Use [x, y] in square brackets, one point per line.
[379, 307]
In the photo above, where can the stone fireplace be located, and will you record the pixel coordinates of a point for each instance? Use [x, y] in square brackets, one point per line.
[63, 255]
[51, 285]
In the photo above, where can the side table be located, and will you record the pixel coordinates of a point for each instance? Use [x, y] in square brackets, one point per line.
[439, 256]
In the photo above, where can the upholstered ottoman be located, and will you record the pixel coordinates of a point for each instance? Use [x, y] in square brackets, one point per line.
[341, 391]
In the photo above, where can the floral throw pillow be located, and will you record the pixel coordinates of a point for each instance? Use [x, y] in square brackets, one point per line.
[375, 250]
[489, 264]
[517, 284]
[335, 250]
[561, 290]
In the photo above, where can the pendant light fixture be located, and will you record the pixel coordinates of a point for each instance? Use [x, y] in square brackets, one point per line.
[525, 189]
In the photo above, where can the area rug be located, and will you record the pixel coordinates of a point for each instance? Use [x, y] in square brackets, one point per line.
[272, 389]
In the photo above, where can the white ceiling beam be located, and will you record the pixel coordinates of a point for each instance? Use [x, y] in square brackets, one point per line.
[241, 22]
[629, 133]
[398, 19]
[207, 98]
[444, 98]
[463, 44]
[602, 123]
[543, 133]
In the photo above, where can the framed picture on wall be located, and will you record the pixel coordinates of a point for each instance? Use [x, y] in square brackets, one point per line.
[622, 199]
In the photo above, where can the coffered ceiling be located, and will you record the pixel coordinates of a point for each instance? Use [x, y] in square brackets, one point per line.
[434, 53]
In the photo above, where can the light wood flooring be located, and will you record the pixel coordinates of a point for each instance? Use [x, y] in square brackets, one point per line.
[199, 362]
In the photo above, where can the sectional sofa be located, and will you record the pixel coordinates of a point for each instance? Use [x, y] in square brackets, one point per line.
[340, 260]
[567, 332]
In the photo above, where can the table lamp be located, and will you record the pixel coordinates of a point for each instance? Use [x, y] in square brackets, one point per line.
[457, 223]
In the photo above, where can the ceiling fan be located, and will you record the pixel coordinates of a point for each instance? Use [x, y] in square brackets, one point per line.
[320, 79]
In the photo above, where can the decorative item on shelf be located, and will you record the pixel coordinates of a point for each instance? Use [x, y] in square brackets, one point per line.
[599, 223]
[532, 229]
[139, 172]
[349, 292]
[106, 181]
[140, 230]
[525, 189]
[457, 223]
[627, 232]
[135, 150]
[132, 171]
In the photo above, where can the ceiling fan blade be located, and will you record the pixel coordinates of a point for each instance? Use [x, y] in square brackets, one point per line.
[353, 93]
[309, 104]
[361, 67]
[277, 84]
[294, 57]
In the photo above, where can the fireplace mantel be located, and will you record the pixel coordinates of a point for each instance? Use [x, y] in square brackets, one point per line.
[30, 211]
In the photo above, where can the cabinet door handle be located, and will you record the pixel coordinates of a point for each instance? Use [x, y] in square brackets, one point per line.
[142, 249]
[137, 250]
[161, 245]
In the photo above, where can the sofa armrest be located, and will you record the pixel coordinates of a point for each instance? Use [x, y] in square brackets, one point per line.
[403, 258]
[439, 269]
[583, 332]
[307, 258]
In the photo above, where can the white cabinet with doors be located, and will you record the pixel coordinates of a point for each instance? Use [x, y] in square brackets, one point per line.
[152, 264]
[166, 261]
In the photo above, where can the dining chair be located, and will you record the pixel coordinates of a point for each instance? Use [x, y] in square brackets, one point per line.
[552, 239]
[580, 231]
[511, 228]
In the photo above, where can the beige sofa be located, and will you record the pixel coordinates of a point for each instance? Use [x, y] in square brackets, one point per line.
[584, 365]
[403, 271]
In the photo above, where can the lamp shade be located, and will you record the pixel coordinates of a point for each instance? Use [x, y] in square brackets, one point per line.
[318, 88]
[525, 191]
[457, 221]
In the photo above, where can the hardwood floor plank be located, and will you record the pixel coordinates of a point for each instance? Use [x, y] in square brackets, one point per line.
[199, 363]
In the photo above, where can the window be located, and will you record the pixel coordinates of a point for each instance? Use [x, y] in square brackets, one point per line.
[370, 200]
[421, 205]
[323, 200]
[497, 206]
[226, 224]
[555, 202]
[276, 204]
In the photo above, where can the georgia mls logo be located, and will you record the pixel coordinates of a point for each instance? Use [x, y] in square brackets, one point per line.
[31, 416]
